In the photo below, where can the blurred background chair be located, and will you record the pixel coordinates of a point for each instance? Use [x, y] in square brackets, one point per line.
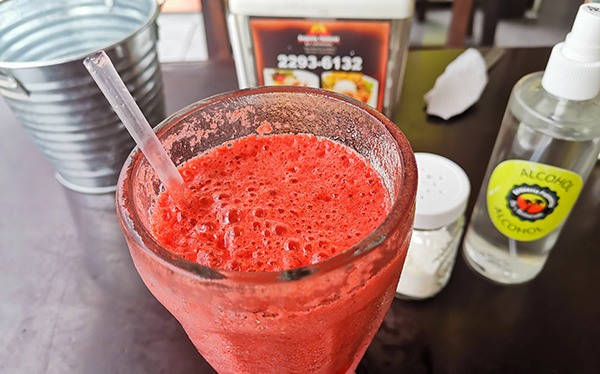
[215, 25]
[190, 28]
[463, 12]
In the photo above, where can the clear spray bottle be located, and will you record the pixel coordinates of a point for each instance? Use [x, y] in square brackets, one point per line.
[548, 143]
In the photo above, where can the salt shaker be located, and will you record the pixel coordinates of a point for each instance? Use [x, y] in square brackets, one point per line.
[442, 197]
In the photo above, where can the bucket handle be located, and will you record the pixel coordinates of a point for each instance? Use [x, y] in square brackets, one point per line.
[13, 87]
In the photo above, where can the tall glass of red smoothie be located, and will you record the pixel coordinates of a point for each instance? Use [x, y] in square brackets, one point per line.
[317, 318]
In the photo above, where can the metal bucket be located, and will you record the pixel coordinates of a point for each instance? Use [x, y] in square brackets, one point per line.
[43, 80]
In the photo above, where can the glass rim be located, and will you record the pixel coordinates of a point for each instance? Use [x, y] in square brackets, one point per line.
[399, 212]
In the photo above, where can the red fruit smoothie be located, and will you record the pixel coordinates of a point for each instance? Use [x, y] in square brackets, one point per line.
[265, 203]
[270, 203]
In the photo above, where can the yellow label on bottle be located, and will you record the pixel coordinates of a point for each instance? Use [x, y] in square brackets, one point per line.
[527, 200]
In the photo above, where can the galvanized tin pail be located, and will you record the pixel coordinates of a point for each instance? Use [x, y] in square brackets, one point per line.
[42, 78]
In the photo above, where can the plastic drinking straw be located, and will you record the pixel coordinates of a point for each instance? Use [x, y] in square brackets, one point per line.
[110, 83]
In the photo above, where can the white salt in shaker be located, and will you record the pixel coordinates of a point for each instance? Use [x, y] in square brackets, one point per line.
[442, 197]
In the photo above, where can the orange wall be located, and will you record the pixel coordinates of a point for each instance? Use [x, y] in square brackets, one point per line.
[181, 6]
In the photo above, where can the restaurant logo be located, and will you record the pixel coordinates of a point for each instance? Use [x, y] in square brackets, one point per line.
[593, 8]
[318, 35]
[523, 198]
[531, 202]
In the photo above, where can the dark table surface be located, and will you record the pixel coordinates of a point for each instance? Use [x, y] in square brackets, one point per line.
[72, 302]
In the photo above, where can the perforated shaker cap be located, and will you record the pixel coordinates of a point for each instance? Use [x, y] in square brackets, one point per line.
[442, 192]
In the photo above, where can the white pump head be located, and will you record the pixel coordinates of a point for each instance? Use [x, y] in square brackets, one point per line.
[573, 70]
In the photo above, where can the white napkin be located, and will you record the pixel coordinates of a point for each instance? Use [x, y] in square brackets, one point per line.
[459, 86]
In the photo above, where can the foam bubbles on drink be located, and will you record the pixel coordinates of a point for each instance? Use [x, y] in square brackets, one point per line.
[296, 196]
